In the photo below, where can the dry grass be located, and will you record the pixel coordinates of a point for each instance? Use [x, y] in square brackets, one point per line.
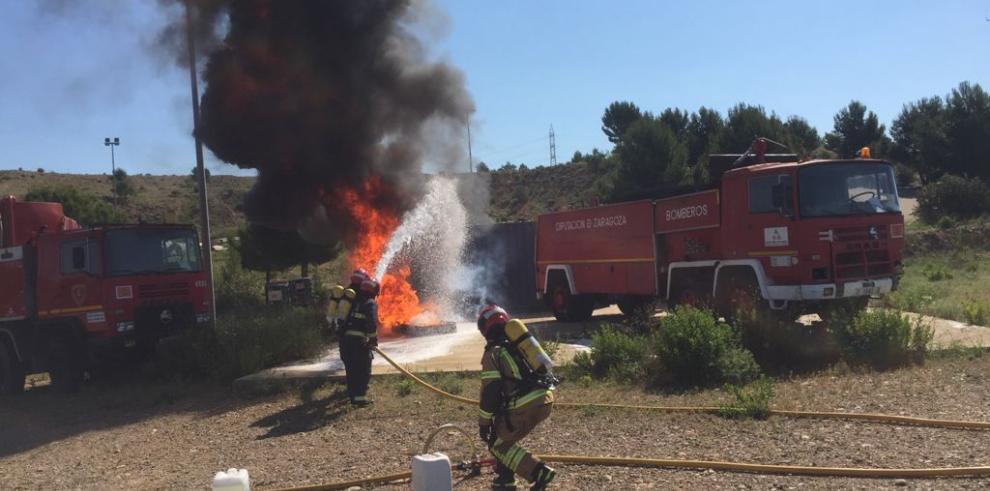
[166, 436]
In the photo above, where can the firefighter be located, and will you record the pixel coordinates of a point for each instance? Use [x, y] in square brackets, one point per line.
[360, 334]
[514, 399]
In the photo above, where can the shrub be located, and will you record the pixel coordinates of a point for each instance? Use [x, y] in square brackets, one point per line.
[737, 365]
[693, 348]
[86, 208]
[551, 347]
[452, 384]
[882, 339]
[405, 387]
[953, 196]
[614, 355]
[750, 402]
[235, 287]
[976, 313]
[243, 342]
[937, 273]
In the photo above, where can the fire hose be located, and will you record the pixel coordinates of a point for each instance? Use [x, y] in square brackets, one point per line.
[474, 466]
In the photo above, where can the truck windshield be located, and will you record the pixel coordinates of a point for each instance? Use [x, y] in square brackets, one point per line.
[151, 251]
[847, 189]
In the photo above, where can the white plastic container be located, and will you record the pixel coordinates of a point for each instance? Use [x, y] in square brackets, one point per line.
[431, 472]
[232, 480]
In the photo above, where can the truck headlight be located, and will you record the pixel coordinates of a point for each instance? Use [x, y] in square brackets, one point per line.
[125, 326]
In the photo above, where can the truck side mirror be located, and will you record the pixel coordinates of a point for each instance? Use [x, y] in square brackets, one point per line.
[78, 258]
[781, 197]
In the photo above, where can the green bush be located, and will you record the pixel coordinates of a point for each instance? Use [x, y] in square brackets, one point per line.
[976, 313]
[750, 402]
[551, 347]
[236, 288]
[88, 209]
[615, 355]
[937, 273]
[882, 339]
[953, 196]
[242, 342]
[694, 348]
[405, 387]
[452, 384]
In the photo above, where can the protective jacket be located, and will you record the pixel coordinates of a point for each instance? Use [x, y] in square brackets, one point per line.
[507, 383]
[363, 320]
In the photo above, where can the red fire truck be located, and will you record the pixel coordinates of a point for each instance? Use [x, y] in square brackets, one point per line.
[790, 236]
[70, 296]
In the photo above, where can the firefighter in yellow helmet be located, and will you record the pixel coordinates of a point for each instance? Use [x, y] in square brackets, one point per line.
[360, 334]
[515, 398]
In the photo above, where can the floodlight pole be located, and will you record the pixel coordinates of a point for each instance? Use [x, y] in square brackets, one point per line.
[204, 210]
[107, 142]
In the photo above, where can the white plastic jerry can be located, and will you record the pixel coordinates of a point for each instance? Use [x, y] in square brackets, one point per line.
[431, 472]
[232, 480]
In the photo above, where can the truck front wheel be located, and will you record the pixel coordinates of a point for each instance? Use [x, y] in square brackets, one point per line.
[11, 372]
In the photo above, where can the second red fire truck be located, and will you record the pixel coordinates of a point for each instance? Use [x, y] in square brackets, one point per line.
[789, 236]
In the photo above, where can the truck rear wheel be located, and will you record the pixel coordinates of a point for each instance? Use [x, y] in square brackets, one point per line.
[567, 307]
[11, 372]
[66, 364]
[738, 292]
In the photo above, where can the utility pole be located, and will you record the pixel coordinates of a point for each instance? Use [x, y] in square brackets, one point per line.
[470, 158]
[553, 147]
[107, 142]
[204, 209]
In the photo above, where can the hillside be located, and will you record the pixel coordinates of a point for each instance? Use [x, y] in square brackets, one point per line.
[516, 193]
[157, 198]
[520, 194]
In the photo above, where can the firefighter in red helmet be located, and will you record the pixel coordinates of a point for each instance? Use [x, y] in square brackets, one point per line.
[359, 335]
[514, 399]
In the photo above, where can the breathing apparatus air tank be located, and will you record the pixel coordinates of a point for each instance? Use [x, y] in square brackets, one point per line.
[345, 304]
[520, 337]
[336, 293]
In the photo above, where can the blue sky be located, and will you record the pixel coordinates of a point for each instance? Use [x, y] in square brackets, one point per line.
[86, 71]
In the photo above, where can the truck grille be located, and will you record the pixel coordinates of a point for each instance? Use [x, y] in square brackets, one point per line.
[863, 262]
[178, 289]
[155, 321]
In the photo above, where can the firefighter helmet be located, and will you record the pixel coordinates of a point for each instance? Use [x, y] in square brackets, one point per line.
[370, 287]
[358, 276]
[490, 316]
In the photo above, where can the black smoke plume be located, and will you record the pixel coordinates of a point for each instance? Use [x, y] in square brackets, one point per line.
[318, 96]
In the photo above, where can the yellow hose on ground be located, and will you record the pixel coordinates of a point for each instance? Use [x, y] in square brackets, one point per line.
[977, 471]
[878, 418]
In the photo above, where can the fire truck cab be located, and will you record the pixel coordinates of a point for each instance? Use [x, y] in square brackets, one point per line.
[70, 296]
[790, 236]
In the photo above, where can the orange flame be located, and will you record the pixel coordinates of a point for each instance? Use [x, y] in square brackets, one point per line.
[398, 302]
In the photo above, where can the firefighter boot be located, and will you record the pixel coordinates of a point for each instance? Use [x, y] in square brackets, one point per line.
[505, 479]
[542, 476]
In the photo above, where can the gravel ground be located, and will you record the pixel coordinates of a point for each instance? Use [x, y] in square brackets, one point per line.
[134, 435]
